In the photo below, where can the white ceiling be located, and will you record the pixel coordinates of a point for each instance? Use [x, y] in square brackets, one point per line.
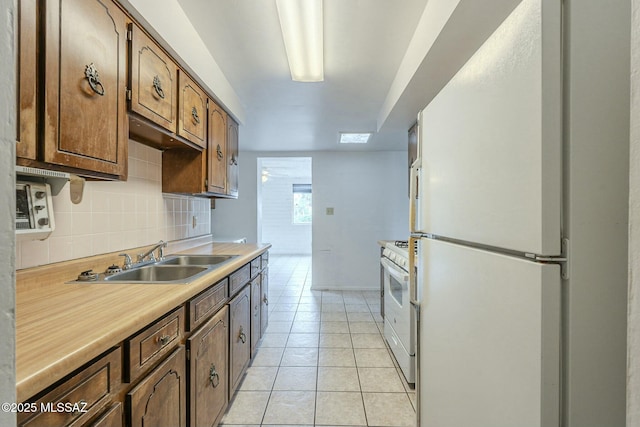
[364, 42]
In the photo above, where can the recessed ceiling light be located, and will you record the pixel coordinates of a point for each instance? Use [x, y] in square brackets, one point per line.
[354, 137]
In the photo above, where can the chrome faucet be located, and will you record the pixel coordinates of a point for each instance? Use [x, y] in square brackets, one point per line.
[150, 253]
[127, 261]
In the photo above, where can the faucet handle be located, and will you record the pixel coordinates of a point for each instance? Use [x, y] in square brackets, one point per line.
[127, 261]
[163, 245]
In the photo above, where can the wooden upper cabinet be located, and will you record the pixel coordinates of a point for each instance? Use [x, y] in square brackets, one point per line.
[192, 116]
[85, 117]
[232, 153]
[154, 82]
[217, 156]
[27, 80]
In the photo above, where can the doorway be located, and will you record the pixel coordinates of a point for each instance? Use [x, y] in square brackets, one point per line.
[285, 204]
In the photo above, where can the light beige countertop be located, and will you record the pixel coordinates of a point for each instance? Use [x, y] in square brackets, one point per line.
[61, 326]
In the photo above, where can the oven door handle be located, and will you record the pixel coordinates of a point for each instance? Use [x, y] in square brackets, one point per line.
[397, 273]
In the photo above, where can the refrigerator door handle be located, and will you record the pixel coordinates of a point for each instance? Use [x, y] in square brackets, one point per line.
[414, 182]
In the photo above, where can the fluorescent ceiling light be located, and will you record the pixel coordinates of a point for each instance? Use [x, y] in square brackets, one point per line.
[354, 137]
[301, 23]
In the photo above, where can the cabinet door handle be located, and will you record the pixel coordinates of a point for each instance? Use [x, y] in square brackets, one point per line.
[214, 378]
[219, 152]
[163, 340]
[157, 85]
[194, 114]
[91, 73]
[242, 336]
[265, 300]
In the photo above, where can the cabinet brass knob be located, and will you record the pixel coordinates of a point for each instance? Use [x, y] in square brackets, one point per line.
[91, 74]
[242, 336]
[157, 85]
[163, 340]
[214, 378]
[194, 114]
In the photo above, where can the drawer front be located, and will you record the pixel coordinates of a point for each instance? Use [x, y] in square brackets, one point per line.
[80, 398]
[265, 260]
[255, 267]
[149, 345]
[207, 303]
[111, 418]
[192, 116]
[238, 279]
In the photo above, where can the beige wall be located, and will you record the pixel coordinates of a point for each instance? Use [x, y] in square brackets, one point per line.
[633, 363]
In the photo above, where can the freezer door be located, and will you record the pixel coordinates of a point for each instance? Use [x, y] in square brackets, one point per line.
[491, 140]
[489, 339]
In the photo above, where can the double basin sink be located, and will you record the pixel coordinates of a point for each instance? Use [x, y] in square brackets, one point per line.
[173, 269]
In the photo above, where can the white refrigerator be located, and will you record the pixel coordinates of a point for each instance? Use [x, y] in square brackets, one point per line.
[486, 214]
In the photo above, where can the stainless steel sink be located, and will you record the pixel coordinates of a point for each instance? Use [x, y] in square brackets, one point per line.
[197, 259]
[158, 274]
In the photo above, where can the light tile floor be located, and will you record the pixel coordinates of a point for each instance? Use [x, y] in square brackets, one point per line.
[322, 361]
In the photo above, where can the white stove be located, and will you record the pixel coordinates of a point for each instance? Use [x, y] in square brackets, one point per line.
[399, 317]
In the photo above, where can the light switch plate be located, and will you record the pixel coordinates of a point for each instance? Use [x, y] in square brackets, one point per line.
[329, 211]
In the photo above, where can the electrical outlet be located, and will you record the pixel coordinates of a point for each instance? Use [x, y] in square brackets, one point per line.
[329, 211]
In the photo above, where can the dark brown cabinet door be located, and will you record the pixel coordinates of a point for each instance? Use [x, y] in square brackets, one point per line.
[111, 418]
[239, 338]
[192, 116]
[27, 80]
[208, 374]
[217, 156]
[232, 152]
[264, 301]
[153, 81]
[85, 122]
[160, 398]
[256, 297]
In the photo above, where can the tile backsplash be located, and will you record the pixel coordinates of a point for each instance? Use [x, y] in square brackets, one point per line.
[117, 216]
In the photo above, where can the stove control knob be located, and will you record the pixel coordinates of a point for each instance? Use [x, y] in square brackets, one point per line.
[43, 221]
[40, 194]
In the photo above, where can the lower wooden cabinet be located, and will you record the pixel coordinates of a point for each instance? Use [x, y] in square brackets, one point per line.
[264, 302]
[208, 373]
[81, 397]
[112, 417]
[239, 338]
[160, 398]
[256, 297]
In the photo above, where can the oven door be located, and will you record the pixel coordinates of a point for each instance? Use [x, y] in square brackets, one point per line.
[397, 304]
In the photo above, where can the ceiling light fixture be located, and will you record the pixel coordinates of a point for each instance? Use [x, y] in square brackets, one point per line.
[354, 137]
[301, 23]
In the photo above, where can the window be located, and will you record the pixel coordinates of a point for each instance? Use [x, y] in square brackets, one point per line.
[302, 203]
